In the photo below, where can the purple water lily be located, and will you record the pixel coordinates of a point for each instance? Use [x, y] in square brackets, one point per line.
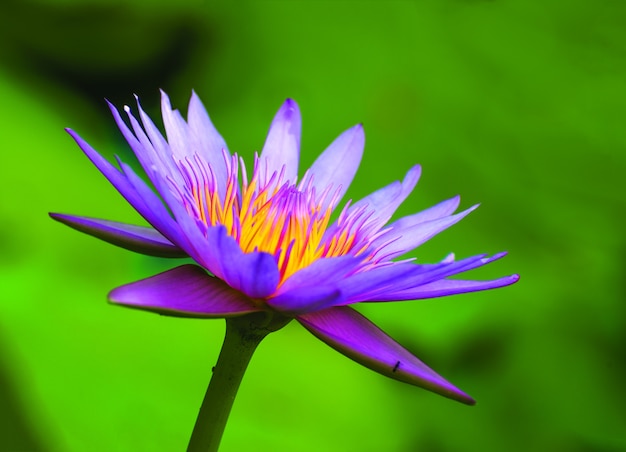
[265, 241]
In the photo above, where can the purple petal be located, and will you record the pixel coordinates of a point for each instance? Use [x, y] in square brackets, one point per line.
[363, 285]
[443, 209]
[338, 164]
[255, 274]
[157, 139]
[323, 271]
[382, 204]
[386, 200]
[161, 218]
[282, 145]
[187, 234]
[210, 143]
[404, 287]
[144, 240]
[385, 282]
[193, 233]
[353, 335]
[176, 128]
[309, 299]
[445, 287]
[404, 236]
[156, 156]
[138, 194]
[117, 179]
[135, 144]
[185, 291]
[315, 287]
[152, 155]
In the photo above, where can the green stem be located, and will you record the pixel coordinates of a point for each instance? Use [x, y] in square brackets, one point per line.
[243, 335]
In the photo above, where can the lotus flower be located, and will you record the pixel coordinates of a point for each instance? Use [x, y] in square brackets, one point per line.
[267, 240]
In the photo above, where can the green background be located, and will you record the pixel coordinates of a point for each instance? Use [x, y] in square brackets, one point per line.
[519, 105]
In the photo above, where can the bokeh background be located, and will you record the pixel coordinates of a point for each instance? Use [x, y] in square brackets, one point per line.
[519, 105]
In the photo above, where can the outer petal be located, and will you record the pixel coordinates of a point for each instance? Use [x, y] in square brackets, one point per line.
[151, 150]
[385, 282]
[211, 145]
[117, 179]
[185, 291]
[282, 145]
[406, 236]
[138, 195]
[338, 164]
[154, 134]
[386, 200]
[155, 156]
[308, 299]
[162, 219]
[176, 129]
[314, 287]
[324, 271]
[364, 285]
[147, 153]
[141, 239]
[445, 287]
[353, 335]
[404, 288]
[255, 274]
[443, 209]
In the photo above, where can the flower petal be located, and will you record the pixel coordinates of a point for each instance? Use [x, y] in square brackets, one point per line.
[445, 287]
[138, 194]
[443, 209]
[282, 145]
[211, 145]
[365, 284]
[255, 274]
[176, 129]
[139, 147]
[328, 270]
[155, 136]
[185, 291]
[378, 207]
[312, 298]
[353, 335]
[162, 220]
[404, 236]
[192, 233]
[385, 282]
[314, 287]
[152, 153]
[386, 200]
[337, 165]
[141, 239]
[405, 288]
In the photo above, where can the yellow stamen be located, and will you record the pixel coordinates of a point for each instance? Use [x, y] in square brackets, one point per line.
[277, 219]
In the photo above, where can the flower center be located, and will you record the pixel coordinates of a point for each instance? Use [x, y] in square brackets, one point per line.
[272, 216]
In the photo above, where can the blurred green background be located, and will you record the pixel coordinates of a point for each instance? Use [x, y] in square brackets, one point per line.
[516, 104]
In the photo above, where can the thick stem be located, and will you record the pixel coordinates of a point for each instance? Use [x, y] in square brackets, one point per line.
[243, 335]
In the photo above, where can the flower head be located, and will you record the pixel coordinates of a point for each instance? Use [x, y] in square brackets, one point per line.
[266, 241]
